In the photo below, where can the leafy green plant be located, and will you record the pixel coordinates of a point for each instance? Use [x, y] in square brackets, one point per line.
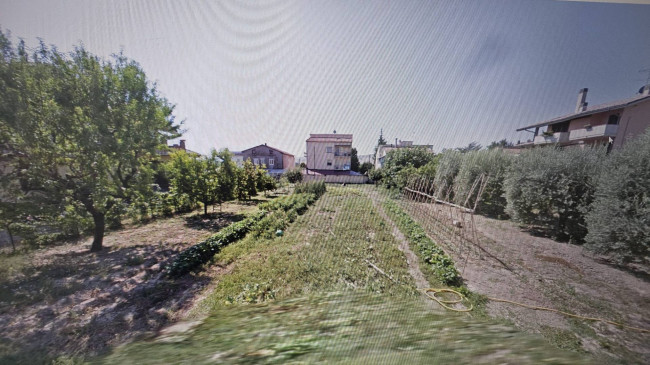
[441, 264]
[492, 164]
[552, 189]
[314, 187]
[618, 221]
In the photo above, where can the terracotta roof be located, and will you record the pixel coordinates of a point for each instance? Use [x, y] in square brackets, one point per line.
[334, 137]
[266, 146]
[592, 110]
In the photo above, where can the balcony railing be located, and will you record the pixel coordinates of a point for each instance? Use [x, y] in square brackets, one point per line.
[558, 137]
[339, 153]
[603, 130]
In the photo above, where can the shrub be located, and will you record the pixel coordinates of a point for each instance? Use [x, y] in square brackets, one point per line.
[618, 220]
[293, 175]
[402, 164]
[493, 163]
[448, 167]
[552, 188]
[314, 187]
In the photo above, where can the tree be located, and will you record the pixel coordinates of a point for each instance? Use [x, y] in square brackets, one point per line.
[293, 176]
[617, 220]
[227, 176]
[504, 143]
[196, 177]
[472, 146]
[81, 127]
[381, 141]
[400, 164]
[365, 167]
[246, 181]
[354, 160]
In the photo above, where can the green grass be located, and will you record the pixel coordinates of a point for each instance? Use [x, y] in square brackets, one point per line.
[324, 250]
[310, 296]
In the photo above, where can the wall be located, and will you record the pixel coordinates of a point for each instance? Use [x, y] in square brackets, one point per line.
[317, 155]
[634, 121]
[336, 179]
[264, 153]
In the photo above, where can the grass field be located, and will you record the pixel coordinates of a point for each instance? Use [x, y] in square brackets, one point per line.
[312, 296]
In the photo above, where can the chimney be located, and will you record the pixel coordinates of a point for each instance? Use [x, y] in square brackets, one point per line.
[396, 145]
[581, 106]
[182, 145]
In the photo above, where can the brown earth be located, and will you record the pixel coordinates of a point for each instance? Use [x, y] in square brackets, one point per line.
[500, 259]
[66, 300]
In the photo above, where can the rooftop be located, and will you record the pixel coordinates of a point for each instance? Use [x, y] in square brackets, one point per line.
[592, 110]
[332, 137]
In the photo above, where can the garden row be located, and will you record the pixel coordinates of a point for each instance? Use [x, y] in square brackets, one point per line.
[438, 262]
[272, 217]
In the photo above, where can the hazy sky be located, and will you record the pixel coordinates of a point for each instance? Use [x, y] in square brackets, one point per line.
[445, 73]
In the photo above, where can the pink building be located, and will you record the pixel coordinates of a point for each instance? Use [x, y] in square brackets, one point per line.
[614, 123]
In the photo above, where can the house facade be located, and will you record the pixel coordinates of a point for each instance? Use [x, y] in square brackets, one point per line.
[329, 152]
[275, 161]
[610, 124]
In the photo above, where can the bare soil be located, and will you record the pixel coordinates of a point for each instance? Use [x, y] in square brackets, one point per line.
[500, 259]
[66, 300]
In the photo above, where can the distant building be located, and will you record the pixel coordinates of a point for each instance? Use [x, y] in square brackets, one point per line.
[275, 161]
[383, 150]
[609, 124]
[329, 151]
[329, 159]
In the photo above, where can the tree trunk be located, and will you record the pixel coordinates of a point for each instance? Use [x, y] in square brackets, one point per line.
[100, 225]
[11, 239]
[205, 209]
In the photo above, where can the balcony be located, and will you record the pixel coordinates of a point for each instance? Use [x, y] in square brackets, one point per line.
[557, 137]
[603, 130]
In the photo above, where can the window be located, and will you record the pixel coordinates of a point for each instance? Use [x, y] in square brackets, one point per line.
[261, 161]
[329, 162]
[613, 119]
[271, 162]
[329, 149]
[256, 161]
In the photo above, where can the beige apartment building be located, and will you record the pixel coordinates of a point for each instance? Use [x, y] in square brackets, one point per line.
[329, 151]
[610, 124]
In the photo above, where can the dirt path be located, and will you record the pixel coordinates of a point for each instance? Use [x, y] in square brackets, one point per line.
[66, 300]
[411, 257]
[541, 272]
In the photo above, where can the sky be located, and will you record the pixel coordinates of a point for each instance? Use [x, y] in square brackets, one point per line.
[444, 73]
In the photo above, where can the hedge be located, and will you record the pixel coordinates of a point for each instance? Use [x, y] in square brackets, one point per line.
[552, 189]
[619, 218]
[492, 164]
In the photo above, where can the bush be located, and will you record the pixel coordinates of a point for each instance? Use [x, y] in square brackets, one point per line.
[493, 163]
[293, 175]
[448, 166]
[315, 187]
[552, 189]
[402, 164]
[618, 220]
